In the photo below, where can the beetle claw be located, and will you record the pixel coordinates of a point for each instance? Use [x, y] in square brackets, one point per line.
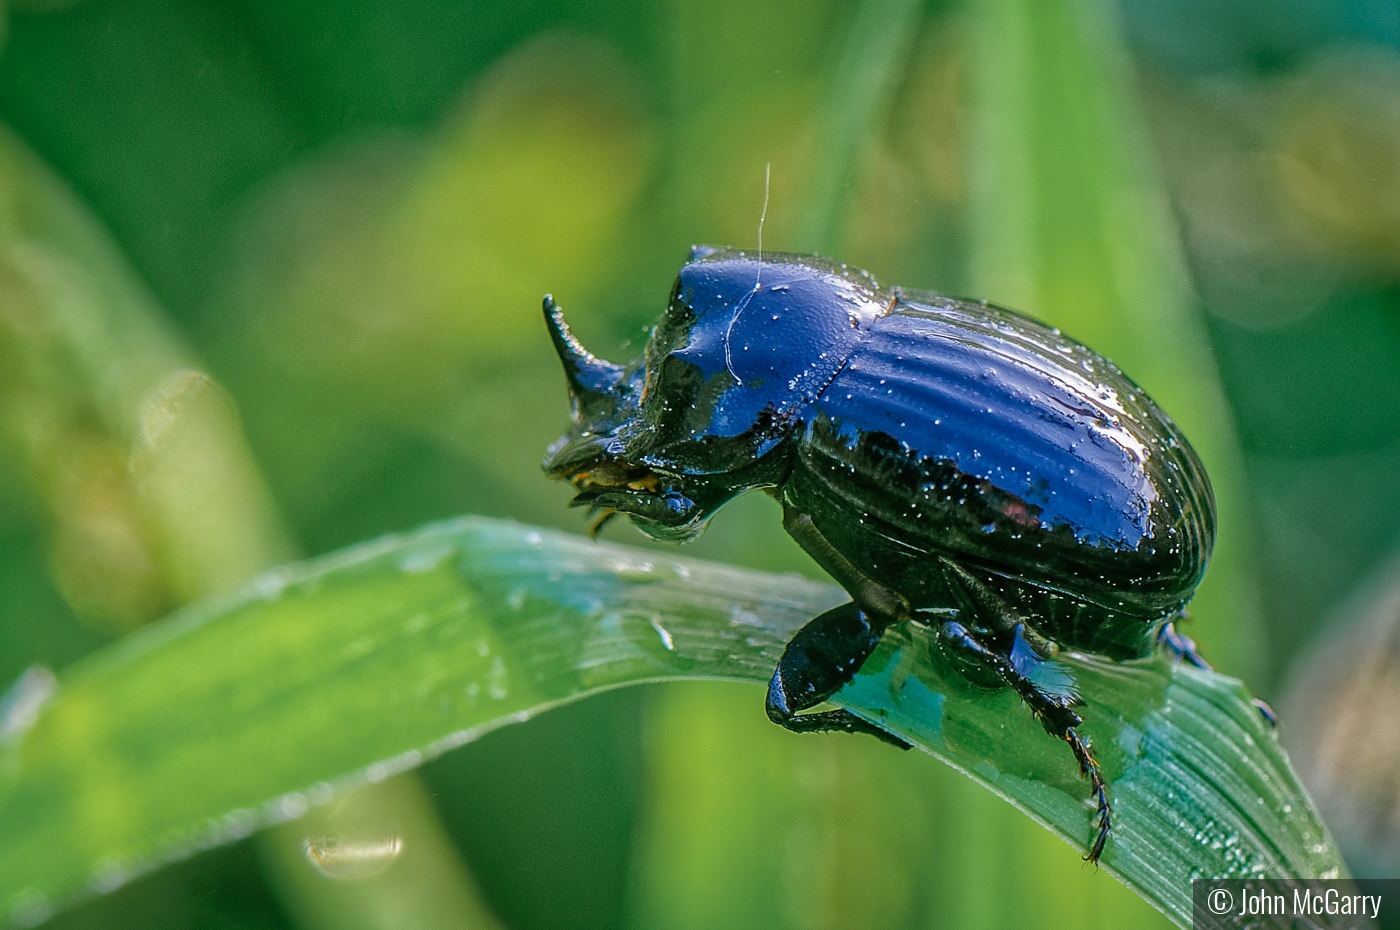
[602, 521]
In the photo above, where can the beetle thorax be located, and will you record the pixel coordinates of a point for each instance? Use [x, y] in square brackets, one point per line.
[710, 411]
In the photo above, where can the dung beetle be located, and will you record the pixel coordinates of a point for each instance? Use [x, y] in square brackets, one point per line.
[948, 462]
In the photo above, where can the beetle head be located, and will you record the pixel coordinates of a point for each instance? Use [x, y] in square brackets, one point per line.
[709, 410]
[595, 454]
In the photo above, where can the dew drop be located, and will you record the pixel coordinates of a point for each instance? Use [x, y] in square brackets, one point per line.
[496, 679]
[665, 634]
[270, 585]
[633, 570]
[290, 806]
[352, 859]
[418, 561]
[29, 908]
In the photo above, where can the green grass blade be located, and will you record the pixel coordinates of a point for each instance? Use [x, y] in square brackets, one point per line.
[343, 670]
[874, 54]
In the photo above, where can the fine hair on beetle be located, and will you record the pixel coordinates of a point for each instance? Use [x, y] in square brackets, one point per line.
[757, 279]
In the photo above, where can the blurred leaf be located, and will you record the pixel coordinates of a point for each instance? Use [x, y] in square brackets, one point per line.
[152, 497]
[160, 112]
[1339, 711]
[398, 272]
[1339, 143]
[739, 100]
[1070, 224]
[733, 802]
[397, 281]
[377, 858]
[143, 471]
[341, 671]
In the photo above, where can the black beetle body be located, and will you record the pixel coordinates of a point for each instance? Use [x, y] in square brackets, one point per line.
[948, 462]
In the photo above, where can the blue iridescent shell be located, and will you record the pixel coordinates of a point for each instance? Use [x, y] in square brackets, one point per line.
[910, 428]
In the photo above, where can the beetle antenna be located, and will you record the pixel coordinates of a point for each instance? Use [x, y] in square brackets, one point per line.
[757, 278]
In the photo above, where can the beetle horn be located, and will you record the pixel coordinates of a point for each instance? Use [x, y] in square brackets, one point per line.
[590, 378]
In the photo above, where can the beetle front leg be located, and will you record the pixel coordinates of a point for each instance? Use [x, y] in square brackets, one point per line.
[1052, 710]
[872, 596]
[826, 653]
[821, 659]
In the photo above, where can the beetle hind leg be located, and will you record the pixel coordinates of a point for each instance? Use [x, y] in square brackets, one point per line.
[1181, 647]
[1052, 708]
[823, 657]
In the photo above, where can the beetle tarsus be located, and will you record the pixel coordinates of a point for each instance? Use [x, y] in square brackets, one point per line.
[838, 721]
[1103, 817]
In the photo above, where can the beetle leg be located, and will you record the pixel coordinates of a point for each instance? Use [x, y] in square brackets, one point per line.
[1183, 649]
[1265, 711]
[990, 610]
[823, 657]
[872, 596]
[1181, 646]
[826, 653]
[1051, 709]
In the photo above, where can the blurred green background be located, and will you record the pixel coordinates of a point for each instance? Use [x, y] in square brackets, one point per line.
[333, 223]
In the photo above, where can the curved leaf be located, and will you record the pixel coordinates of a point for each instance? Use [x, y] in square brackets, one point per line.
[246, 710]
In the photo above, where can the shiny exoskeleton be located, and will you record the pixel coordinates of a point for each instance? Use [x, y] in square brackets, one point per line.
[949, 462]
